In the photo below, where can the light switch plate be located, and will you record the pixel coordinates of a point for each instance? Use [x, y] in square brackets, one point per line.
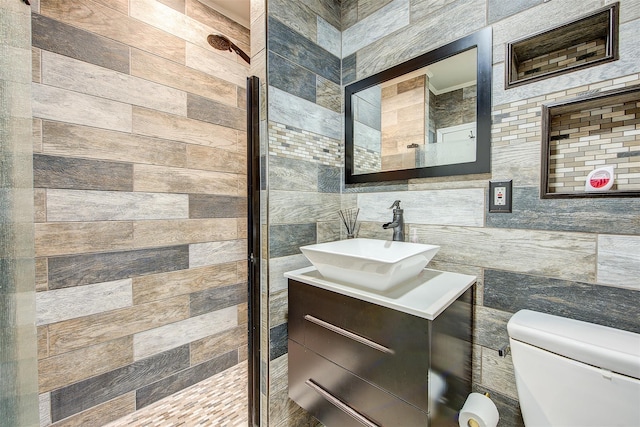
[500, 196]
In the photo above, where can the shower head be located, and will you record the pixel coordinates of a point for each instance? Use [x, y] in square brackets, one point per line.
[220, 42]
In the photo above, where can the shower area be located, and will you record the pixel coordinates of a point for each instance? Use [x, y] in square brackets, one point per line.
[125, 176]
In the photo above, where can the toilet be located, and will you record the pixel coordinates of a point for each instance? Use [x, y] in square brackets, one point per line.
[571, 373]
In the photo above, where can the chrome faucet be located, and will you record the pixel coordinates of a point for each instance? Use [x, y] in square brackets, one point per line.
[398, 222]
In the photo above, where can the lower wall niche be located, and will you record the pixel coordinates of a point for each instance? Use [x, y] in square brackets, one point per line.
[588, 133]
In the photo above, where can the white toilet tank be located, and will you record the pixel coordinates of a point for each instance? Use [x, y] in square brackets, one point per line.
[574, 374]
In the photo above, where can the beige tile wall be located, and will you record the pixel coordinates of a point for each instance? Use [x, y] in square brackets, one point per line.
[135, 118]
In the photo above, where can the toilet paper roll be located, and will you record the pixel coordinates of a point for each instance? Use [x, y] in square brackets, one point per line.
[478, 411]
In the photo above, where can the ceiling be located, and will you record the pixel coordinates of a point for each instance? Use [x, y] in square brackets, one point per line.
[238, 10]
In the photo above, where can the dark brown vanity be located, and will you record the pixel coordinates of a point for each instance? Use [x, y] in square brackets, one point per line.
[354, 362]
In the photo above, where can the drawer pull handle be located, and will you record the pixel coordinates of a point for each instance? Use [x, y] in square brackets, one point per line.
[340, 404]
[351, 335]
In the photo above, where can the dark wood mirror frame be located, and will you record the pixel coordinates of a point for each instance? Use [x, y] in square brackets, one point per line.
[482, 40]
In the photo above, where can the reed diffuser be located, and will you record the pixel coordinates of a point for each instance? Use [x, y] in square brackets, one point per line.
[350, 220]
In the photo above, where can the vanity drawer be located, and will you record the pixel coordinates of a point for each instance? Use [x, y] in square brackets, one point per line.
[323, 388]
[383, 346]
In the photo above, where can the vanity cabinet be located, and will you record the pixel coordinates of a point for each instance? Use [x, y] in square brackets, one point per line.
[353, 362]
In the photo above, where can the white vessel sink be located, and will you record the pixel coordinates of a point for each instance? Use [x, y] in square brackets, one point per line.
[370, 263]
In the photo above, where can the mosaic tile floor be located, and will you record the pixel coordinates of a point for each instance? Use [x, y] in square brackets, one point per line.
[220, 401]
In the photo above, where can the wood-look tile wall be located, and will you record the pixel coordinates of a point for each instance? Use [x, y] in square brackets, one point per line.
[578, 259]
[140, 176]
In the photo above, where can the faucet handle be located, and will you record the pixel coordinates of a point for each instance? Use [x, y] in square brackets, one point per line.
[395, 205]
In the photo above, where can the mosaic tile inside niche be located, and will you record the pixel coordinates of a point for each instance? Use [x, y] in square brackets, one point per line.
[581, 141]
[293, 143]
[564, 58]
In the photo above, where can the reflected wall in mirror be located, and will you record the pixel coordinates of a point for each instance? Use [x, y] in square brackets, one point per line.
[427, 117]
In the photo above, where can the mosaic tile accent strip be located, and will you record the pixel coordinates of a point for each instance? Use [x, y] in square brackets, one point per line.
[367, 160]
[293, 143]
[584, 140]
[565, 58]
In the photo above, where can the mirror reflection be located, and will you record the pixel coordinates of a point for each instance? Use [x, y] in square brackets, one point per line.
[423, 118]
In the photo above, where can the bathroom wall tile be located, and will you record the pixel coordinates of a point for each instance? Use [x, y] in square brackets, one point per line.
[212, 18]
[175, 4]
[278, 336]
[279, 266]
[63, 238]
[51, 35]
[289, 207]
[215, 112]
[223, 65]
[171, 74]
[89, 16]
[176, 180]
[286, 239]
[568, 256]
[330, 11]
[293, 46]
[497, 373]
[619, 260]
[425, 34]
[215, 159]
[464, 207]
[217, 298]
[75, 205]
[612, 215]
[329, 37]
[63, 172]
[44, 408]
[375, 26]
[329, 179]
[604, 305]
[103, 413]
[328, 94]
[201, 254]
[62, 370]
[166, 285]
[161, 339]
[173, 232]
[297, 16]
[329, 231]
[212, 206]
[63, 139]
[69, 303]
[218, 344]
[292, 174]
[183, 379]
[68, 106]
[490, 327]
[86, 331]
[508, 408]
[278, 307]
[349, 13]
[74, 75]
[161, 125]
[498, 10]
[76, 270]
[376, 187]
[39, 205]
[102, 388]
[349, 69]
[43, 341]
[291, 78]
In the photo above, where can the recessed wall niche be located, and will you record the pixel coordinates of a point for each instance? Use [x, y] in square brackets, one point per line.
[585, 42]
[590, 132]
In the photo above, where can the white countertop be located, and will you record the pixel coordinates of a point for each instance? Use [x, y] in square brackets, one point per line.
[426, 296]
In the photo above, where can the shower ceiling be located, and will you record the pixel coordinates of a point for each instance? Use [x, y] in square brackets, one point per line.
[238, 10]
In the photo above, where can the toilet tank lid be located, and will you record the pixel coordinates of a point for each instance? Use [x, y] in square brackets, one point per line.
[608, 348]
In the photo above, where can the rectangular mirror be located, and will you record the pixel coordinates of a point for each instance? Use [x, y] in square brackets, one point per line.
[430, 116]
